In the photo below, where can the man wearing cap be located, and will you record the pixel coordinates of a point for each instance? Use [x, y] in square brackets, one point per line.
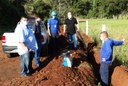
[53, 30]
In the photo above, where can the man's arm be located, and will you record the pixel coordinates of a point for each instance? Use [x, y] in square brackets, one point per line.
[77, 26]
[48, 24]
[117, 43]
[64, 32]
[49, 31]
[65, 27]
[24, 46]
[20, 38]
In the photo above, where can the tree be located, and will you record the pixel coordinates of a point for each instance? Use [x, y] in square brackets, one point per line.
[38, 7]
[10, 11]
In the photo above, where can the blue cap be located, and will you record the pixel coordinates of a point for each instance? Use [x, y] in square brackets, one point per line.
[54, 13]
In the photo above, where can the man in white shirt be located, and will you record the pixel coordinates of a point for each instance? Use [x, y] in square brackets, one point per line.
[26, 43]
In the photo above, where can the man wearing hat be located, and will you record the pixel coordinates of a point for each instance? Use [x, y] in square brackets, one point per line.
[53, 30]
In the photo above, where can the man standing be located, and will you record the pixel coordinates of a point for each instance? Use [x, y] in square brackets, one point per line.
[53, 30]
[26, 43]
[106, 56]
[37, 31]
[71, 25]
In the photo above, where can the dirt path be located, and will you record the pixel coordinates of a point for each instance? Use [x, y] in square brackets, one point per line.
[9, 67]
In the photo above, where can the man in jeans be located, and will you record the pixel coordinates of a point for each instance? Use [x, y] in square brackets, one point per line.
[26, 43]
[71, 25]
[38, 27]
[106, 56]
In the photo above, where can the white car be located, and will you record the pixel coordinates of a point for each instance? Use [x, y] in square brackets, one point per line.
[9, 43]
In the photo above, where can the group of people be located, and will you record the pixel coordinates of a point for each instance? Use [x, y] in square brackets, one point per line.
[29, 39]
[70, 28]
[31, 42]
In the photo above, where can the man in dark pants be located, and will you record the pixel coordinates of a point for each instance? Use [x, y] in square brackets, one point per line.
[39, 42]
[71, 25]
[106, 56]
[53, 30]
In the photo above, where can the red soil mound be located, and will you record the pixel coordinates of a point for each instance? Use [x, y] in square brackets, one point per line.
[55, 74]
[51, 72]
[119, 76]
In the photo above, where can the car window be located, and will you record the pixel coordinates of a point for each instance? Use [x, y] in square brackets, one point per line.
[43, 27]
[31, 23]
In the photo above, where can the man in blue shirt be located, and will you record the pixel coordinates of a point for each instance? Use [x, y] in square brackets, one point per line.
[53, 30]
[26, 43]
[106, 56]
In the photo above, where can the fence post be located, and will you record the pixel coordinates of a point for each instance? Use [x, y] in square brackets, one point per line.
[86, 27]
[103, 27]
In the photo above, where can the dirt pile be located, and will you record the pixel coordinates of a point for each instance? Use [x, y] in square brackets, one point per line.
[55, 74]
[52, 72]
[119, 76]
[85, 70]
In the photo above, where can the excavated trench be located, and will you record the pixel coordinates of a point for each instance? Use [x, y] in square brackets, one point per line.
[84, 71]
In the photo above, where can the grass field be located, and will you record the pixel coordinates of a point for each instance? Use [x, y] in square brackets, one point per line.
[117, 29]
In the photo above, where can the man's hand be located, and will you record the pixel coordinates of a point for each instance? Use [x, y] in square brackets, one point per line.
[25, 49]
[24, 46]
[103, 60]
[77, 30]
[49, 34]
[123, 39]
[77, 27]
[59, 34]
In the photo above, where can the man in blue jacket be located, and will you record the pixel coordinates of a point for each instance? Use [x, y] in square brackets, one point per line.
[53, 30]
[106, 56]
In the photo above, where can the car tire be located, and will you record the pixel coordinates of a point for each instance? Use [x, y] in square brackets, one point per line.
[9, 55]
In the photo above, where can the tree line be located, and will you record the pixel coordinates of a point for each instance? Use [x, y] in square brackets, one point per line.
[12, 10]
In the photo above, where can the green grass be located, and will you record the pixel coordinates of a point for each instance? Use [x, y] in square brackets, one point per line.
[117, 29]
